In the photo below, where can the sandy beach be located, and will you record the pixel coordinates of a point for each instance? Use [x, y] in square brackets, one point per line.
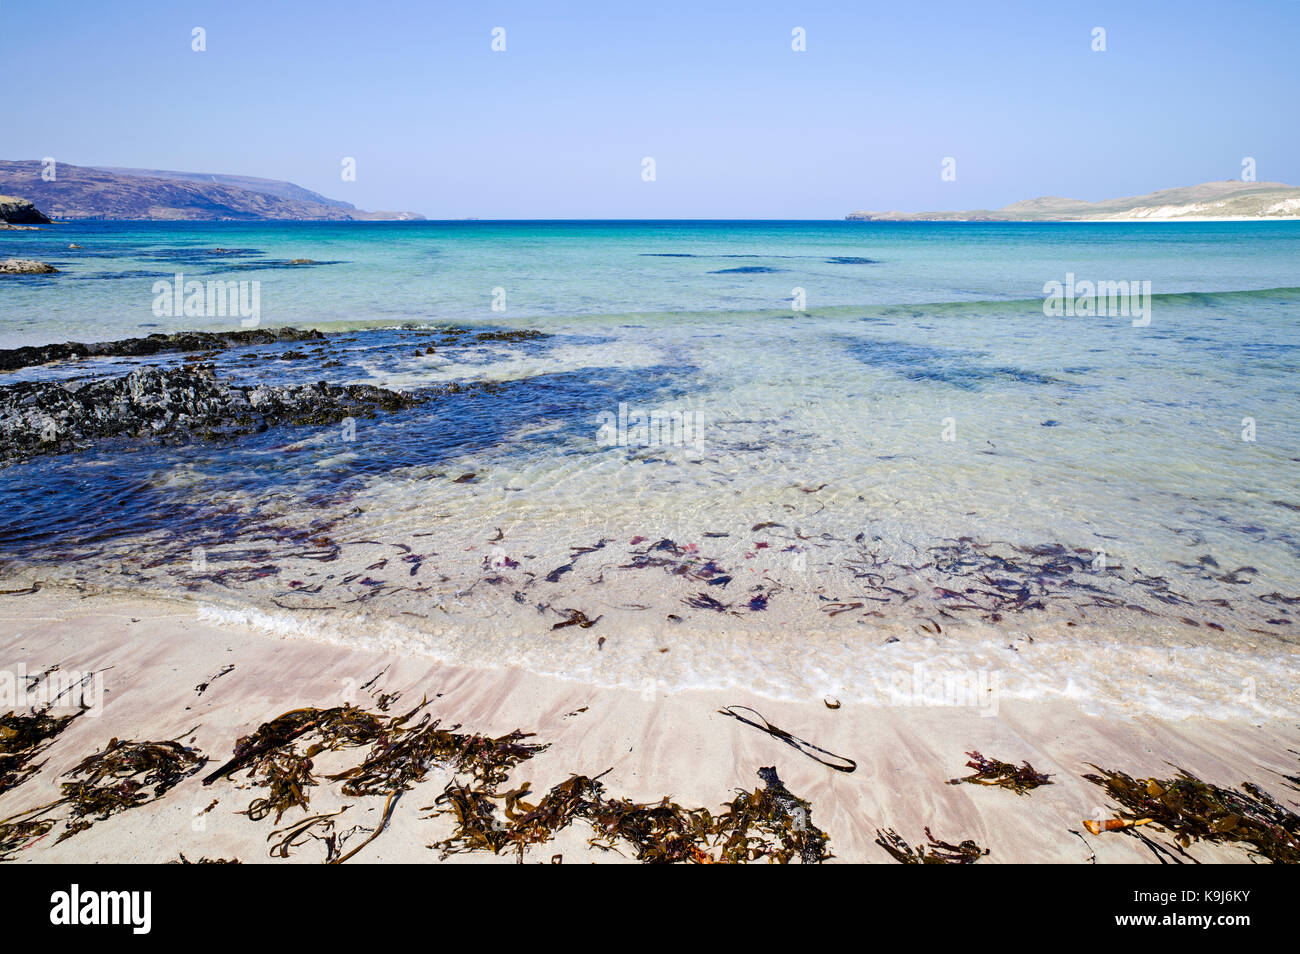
[154, 655]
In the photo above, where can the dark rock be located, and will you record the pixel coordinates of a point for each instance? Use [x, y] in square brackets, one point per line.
[172, 405]
[14, 358]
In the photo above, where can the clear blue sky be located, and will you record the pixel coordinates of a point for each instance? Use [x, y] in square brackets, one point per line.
[739, 125]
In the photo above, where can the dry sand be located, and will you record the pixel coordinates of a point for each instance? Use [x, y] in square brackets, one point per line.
[154, 654]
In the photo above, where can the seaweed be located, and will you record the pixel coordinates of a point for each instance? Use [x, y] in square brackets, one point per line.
[311, 828]
[662, 833]
[182, 860]
[1019, 779]
[1193, 810]
[577, 618]
[837, 762]
[339, 726]
[118, 779]
[935, 853]
[203, 686]
[402, 757]
[22, 737]
[287, 775]
[771, 823]
[14, 836]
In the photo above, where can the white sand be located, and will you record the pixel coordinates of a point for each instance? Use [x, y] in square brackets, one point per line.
[155, 654]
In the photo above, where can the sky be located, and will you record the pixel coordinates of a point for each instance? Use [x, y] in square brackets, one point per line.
[738, 123]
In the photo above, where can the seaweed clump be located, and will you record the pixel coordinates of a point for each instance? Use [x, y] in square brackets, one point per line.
[19, 834]
[770, 823]
[119, 778]
[22, 737]
[1194, 810]
[271, 755]
[1019, 779]
[935, 853]
[402, 757]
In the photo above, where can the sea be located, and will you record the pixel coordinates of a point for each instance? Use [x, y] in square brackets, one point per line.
[905, 463]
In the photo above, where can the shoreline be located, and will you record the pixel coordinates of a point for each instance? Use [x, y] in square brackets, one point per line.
[154, 655]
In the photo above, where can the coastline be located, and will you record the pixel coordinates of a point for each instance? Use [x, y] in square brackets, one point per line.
[154, 655]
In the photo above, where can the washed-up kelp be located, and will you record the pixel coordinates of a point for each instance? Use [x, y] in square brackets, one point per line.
[339, 726]
[1193, 810]
[310, 828]
[271, 754]
[182, 860]
[935, 853]
[1019, 779]
[22, 737]
[119, 778]
[19, 834]
[401, 758]
[662, 833]
[837, 762]
[287, 776]
[770, 823]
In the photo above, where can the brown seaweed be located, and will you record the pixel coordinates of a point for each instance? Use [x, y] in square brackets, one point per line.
[402, 757]
[182, 860]
[770, 823]
[577, 618]
[311, 828]
[287, 776]
[15, 836]
[837, 762]
[339, 726]
[1019, 779]
[22, 737]
[119, 778]
[1192, 810]
[935, 853]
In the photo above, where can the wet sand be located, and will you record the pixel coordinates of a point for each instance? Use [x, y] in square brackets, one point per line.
[154, 654]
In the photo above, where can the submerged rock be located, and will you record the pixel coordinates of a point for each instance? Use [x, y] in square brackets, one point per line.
[25, 266]
[173, 405]
[14, 358]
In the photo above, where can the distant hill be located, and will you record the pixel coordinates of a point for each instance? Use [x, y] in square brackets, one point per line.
[86, 192]
[285, 190]
[1230, 199]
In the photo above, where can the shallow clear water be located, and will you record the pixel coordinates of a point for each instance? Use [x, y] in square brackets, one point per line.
[921, 397]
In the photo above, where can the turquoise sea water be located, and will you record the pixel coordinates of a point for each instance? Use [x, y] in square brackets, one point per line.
[447, 271]
[915, 440]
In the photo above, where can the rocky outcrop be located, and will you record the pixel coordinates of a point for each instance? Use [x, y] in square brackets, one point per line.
[25, 266]
[174, 405]
[182, 341]
[16, 211]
